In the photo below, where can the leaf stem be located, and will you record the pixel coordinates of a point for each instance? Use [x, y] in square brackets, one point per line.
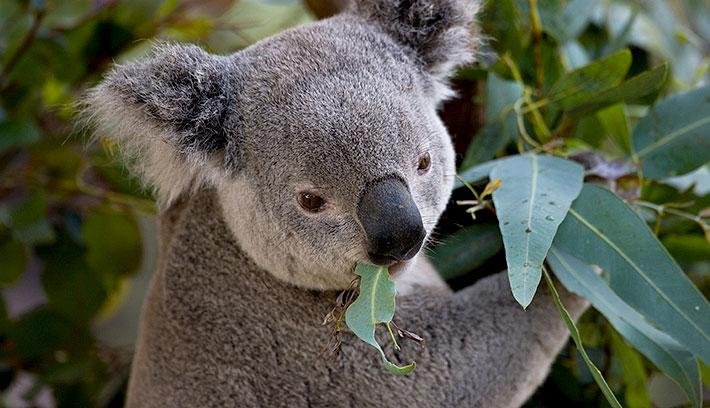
[396, 346]
[662, 209]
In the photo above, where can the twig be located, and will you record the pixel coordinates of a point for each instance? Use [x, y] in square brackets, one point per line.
[23, 47]
[661, 209]
[537, 45]
[106, 4]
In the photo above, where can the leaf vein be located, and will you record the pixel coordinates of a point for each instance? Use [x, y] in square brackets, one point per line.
[673, 135]
[636, 268]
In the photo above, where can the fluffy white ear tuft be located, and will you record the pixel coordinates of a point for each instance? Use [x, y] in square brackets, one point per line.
[172, 116]
[441, 32]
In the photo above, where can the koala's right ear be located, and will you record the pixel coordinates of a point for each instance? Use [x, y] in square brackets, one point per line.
[174, 115]
[442, 33]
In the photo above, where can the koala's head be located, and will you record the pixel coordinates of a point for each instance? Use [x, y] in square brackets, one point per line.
[323, 142]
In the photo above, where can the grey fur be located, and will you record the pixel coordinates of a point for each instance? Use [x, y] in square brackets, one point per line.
[217, 331]
[246, 276]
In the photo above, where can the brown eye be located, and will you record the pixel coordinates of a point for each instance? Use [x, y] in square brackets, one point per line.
[311, 202]
[424, 163]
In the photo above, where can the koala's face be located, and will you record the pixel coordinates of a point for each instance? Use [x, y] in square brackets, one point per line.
[343, 164]
[323, 142]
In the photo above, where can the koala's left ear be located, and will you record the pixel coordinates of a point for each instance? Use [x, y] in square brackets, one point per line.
[174, 114]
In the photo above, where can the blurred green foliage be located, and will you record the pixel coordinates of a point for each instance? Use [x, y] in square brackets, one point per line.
[69, 212]
[70, 217]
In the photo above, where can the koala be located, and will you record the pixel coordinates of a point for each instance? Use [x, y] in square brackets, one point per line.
[280, 167]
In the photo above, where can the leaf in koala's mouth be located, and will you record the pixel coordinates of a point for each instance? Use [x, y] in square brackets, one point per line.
[374, 305]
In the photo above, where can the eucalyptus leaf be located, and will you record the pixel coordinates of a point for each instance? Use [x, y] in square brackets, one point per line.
[533, 199]
[601, 229]
[574, 88]
[642, 85]
[574, 333]
[476, 173]
[660, 348]
[674, 138]
[374, 305]
[634, 373]
[613, 119]
[501, 95]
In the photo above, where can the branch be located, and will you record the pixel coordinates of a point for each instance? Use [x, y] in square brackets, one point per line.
[23, 48]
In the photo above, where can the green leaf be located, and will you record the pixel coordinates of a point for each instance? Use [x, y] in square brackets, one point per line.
[688, 248]
[614, 121]
[568, 24]
[674, 138]
[466, 250]
[501, 95]
[38, 333]
[28, 219]
[73, 289]
[669, 356]
[476, 173]
[574, 88]
[14, 261]
[580, 347]
[635, 380]
[630, 91]
[374, 305]
[485, 145]
[16, 134]
[602, 229]
[533, 199]
[113, 242]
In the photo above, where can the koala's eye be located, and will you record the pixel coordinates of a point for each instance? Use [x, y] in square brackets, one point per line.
[424, 163]
[311, 202]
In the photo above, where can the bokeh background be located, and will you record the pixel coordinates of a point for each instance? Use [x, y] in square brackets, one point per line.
[78, 234]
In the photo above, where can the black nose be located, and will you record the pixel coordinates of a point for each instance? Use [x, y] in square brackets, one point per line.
[391, 221]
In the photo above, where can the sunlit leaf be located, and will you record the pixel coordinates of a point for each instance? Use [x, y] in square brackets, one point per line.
[533, 199]
[614, 121]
